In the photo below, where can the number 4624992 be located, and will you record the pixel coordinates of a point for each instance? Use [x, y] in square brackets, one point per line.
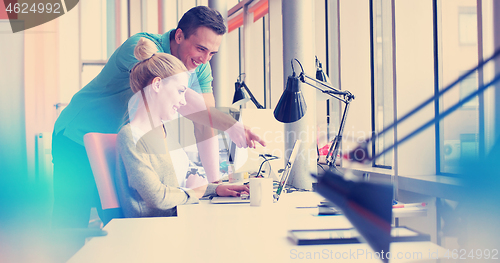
[25, 8]
[472, 254]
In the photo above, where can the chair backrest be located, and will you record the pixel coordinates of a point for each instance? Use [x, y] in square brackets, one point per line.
[101, 150]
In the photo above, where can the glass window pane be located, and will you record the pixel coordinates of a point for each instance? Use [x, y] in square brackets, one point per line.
[467, 86]
[231, 3]
[123, 21]
[233, 55]
[415, 84]
[93, 30]
[384, 113]
[459, 131]
[254, 64]
[355, 74]
[467, 25]
[150, 16]
[489, 72]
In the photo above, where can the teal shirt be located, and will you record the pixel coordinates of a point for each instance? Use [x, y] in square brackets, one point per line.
[101, 105]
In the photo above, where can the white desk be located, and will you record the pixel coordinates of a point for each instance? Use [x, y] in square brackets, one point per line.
[231, 233]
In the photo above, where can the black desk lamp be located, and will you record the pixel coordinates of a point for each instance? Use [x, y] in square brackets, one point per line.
[242, 94]
[292, 106]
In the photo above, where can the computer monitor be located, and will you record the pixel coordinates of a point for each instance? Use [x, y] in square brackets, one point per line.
[262, 123]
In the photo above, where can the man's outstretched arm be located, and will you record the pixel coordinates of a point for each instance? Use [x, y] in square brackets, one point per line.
[201, 109]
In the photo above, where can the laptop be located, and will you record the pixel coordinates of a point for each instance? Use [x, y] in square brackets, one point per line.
[282, 182]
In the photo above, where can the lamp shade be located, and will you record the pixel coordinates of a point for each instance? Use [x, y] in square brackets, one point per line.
[292, 105]
[240, 95]
[321, 75]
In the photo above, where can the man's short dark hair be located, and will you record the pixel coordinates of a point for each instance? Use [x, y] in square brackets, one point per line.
[201, 16]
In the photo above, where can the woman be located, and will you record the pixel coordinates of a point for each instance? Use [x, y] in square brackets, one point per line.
[146, 180]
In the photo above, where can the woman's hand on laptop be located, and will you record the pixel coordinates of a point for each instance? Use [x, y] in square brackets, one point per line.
[232, 190]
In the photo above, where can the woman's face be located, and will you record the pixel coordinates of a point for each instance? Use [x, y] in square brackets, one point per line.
[171, 95]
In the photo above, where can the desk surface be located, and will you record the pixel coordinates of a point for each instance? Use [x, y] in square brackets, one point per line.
[235, 233]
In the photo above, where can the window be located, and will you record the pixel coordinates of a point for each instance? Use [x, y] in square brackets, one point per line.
[103, 27]
[249, 31]
[383, 79]
[467, 86]
[467, 25]
[93, 39]
[460, 43]
[458, 54]
[415, 78]
[254, 63]
[354, 69]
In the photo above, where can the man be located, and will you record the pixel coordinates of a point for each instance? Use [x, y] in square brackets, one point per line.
[102, 104]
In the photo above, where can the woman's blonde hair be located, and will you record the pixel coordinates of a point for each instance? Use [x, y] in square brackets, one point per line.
[152, 64]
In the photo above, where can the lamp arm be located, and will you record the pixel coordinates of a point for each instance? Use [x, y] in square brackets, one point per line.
[327, 92]
[331, 90]
[252, 98]
[334, 148]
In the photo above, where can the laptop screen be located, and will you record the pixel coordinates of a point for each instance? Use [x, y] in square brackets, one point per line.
[288, 168]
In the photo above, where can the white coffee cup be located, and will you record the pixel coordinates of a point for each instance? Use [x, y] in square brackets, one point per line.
[261, 191]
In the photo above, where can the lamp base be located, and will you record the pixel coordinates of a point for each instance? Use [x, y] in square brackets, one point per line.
[335, 170]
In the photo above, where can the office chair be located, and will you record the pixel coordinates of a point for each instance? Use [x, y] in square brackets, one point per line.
[102, 156]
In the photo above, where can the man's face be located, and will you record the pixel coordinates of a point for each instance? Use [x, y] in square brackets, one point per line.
[198, 48]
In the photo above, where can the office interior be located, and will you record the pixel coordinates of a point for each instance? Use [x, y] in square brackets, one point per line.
[391, 54]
